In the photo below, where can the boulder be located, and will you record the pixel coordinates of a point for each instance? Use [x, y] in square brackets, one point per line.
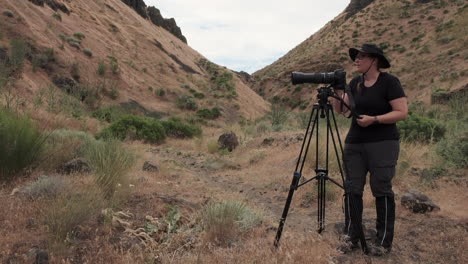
[228, 140]
[75, 165]
[148, 166]
[268, 141]
[42, 257]
[418, 202]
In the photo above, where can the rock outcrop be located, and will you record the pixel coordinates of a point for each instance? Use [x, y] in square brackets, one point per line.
[418, 202]
[154, 15]
[52, 4]
[355, 6]
[228, 141]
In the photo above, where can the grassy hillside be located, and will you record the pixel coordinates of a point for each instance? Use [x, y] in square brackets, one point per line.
[425, 41]
[106, 50]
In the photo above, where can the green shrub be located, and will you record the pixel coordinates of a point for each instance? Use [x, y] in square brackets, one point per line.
[65, 213]
[87, 52]
[43, 59]
[186, 102]
[18, 52]
[62, 146]
[8, 13]
[420, 128]
[278, 115]
[79, 35]
[109, 114]
[160, 92]
[455, 151]
[148, 129]
[212, 113]
[74, 42]
[75, 71]
[177, 129]
[57, 16]
[431, 174]
[224, 81]
[225, 221]
[46, 186]
[101, 68]
[110, 162]
[199, 95]
[212, 146]
[135, 127]
[114, 65]
[21, 144]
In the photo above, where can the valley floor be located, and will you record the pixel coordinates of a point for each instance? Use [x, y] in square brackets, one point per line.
[257, 173]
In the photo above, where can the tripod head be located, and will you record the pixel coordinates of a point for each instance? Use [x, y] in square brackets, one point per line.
[324, 93]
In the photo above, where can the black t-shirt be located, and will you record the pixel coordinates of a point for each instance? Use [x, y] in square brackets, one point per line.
[374, 101]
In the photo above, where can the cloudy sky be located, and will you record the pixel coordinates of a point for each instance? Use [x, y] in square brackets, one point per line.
[247, 35]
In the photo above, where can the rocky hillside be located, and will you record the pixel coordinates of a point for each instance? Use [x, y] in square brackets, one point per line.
[113, 52]
[424, 39]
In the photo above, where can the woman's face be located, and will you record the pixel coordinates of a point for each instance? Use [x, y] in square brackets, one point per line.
[363, 61]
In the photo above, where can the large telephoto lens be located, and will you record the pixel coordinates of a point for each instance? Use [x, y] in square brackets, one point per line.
[325, 77]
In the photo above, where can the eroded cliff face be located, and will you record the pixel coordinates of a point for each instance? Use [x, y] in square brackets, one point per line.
[355, 6]
[154, 15]
[168, 24]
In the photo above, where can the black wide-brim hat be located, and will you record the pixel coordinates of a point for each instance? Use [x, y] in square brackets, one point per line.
[373, 50]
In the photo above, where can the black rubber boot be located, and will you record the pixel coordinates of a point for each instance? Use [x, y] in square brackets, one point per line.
[385, 224]
[348, 228]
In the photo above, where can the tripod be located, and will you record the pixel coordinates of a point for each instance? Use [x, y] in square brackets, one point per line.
[322, 109]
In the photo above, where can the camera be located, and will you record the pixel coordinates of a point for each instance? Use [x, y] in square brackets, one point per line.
[336, 79]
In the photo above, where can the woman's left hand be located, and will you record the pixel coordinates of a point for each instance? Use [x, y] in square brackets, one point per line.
[365, 120]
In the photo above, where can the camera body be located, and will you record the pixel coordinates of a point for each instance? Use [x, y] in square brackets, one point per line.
[336, 79]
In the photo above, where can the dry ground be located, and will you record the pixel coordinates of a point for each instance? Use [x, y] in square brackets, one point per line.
[257, 174]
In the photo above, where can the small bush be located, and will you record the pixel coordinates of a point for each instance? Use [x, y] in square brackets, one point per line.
[75, 71]
[160, 92]
[431, 174]
[109, 114]
[186, 102]
[419, 128]
[8, 13]
[21, 144]
[79, 35]
[46, 187]
[74, 43]
[18, 52]
[87, 52]
[225, 221]
[199, 95]
[455, 151]
[114, 65]
[177, 129]
[212, 146]
[278, 115]
[57, 16]
[135, 127]
[212, 113]
[62, 146]
[43, 59]
[110, 163]
[65, 213]
[101, 68]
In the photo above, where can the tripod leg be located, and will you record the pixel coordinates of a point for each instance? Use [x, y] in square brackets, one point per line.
[321, 185]
[292, 188]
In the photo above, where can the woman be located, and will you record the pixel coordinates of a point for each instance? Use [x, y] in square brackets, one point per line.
[372, 143]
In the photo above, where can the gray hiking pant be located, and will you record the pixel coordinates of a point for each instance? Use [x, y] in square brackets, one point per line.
[378, 158]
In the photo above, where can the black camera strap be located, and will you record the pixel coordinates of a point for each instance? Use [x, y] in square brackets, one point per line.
[352, 103]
